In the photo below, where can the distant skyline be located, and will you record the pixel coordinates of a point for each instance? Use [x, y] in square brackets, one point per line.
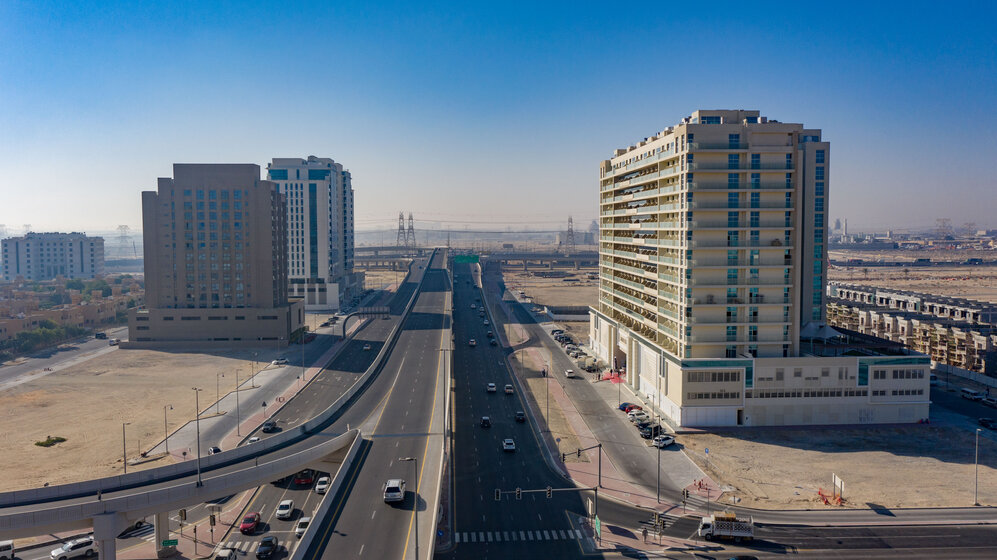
[473, 115]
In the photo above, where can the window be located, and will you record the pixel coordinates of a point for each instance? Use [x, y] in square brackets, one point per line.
[708, 120]
[733, 180]
[733, 161]
[819, 173]
[819, 156]
[756, 161]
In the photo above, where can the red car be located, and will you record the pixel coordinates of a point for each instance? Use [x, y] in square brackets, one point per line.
[306, 476]
[632, 407]
[249, 523]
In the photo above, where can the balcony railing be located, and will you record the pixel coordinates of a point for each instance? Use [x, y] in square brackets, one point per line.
[741, 166]
[696, 146]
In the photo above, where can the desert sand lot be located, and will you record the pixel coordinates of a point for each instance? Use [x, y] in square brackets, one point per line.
[87, 403]
[554, 291]
[376, 278]
[894, 466]
[973, 282]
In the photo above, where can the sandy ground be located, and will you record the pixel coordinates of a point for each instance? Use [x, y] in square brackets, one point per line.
[973, 282]
[87, 403]
[378, 278]
[566, 439]
[554, 291]
[908, 466]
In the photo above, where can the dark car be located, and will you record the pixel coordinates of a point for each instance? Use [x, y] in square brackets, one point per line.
[642, 425]
[268, 546]
[650, 431]
[623, 406]
[486, 422]
[988, 423]
[520, 417]
[269, 426]
[493, 342]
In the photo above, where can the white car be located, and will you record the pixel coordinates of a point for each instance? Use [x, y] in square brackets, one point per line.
[394, 490]
[474, 306]
[508, 445]
[569, 373]
[366, 346]
[322, 485]
[662, 441]
[302, 526]
[472, 342]
[253, 439]
[285, 509]
[75, 549]
[279, 362]
[485, 322]
[490, 388]
[508, 389]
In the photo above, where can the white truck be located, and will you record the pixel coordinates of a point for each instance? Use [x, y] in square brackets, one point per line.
[726, 526]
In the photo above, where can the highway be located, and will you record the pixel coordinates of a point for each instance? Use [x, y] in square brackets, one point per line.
[535, 526]
[394, 415]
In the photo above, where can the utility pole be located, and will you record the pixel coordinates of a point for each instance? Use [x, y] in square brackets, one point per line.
[197, 424]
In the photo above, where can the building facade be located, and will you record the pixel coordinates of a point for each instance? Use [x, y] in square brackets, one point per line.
[320, 239]
[45, 256]
[215, 240]
[712, 273]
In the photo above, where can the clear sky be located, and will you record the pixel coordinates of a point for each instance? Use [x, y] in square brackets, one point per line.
[471, 114]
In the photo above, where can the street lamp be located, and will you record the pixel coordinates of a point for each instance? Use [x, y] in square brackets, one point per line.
[166, 428]
[124, 452]
[976, 493]
[238, 417]
[197, 423]
[415, 507]
[217, 393]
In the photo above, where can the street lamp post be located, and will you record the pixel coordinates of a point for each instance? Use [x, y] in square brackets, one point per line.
[217, 392]
[124, 447]
[166, 429]
[238, 416]
[657, 478]
[197, 424]
[976, 493]
[415, 507]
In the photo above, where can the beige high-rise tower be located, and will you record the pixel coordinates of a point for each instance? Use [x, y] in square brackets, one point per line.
[713, 262]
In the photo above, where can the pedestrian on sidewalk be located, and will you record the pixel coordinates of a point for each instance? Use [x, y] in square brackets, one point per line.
[643, 533]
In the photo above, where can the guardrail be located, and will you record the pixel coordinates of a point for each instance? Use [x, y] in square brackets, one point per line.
[187, 468]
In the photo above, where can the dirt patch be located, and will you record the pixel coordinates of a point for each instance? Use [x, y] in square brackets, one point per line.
[554, 291]
[973, 282]
[904, 466]
[379, 278]
[564, 437]
[87, 403]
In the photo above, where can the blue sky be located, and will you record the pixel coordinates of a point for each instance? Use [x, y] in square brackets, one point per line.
[471, 113]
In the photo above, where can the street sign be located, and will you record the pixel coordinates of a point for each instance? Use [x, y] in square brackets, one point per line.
[707, 450]
[598, 526]
[171, 542]
[465, 259]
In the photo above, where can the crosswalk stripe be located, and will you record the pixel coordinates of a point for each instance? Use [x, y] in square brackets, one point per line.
[546, 536]
[563, 534]
[489, 536]
[456, 537]
[522, 536]
[481, 536]
[579, 533]
[530, 534]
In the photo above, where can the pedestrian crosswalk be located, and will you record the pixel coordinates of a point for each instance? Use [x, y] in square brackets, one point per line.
[512, 536]
[246, 547]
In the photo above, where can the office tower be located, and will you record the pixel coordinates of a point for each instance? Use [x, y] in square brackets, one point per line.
[215, 238]
[319, 196]
[44, 256]
[712, 275]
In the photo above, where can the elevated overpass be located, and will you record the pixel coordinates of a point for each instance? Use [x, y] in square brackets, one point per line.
[111, 504]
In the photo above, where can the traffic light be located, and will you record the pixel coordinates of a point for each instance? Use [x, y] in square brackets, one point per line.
[211, 520]
[563, 457]
[685, 494]
[498, 495]
[183, 515]
[578, 453]
[656, 518]
[519, 493]
[550, 492]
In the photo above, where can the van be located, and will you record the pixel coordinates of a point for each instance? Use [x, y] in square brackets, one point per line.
[971, 395]
[6, 550]
[990, 401]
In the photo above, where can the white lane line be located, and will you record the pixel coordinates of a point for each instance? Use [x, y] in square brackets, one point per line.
[373, 513]
[361, 548]
[546, 536]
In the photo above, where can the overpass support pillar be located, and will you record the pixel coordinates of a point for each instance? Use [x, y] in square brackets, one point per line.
[106, 528]
[161, 526]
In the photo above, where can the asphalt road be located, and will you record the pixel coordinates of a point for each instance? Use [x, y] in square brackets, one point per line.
[394, 415]
[534, 526]
[35, 364]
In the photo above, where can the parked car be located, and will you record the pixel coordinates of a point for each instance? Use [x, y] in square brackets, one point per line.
[285, 509]
[625, 406]
[557, 331]
[990, 401]
[631, 407]
[214, 449]
[520, 417]
[988, 423]
[651, 431]
[662, 441]
[250, 523]
[486, 422]
[75, 548]
[267, 548]
[279, 362]
[302, 526]
[508, 445]
[639, 416]
[322, 486]
[394, 490]
[569, 373]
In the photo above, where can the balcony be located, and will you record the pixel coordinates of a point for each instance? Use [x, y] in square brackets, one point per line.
[760, 224]
[743, 339]
[767, 205]
[726, 282]
[725, 146]
[641, 163]
[736, 244]
[741, 166]
[760, 186]
[738, 263]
